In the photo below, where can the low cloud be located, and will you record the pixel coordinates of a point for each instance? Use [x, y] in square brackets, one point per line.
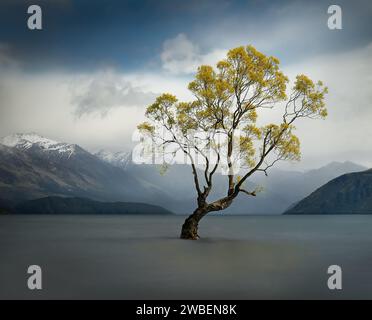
[104, 91]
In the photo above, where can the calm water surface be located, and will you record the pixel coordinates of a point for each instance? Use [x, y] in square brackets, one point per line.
[141, 257]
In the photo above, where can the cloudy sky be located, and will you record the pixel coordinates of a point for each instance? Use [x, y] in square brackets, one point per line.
[87, 77]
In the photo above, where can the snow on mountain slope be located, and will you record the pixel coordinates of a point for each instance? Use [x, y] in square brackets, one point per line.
[32, 166]
[25, 141]
[119, 159]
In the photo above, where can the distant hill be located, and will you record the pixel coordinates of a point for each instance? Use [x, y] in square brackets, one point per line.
[4, 210]
[5, 206]
[60, 205]
[348, 194]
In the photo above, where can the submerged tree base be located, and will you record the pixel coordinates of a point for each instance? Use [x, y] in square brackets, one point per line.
[190, 227]
[189, 235]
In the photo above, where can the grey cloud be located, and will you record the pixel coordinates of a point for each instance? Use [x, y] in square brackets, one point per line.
[6, 59]
[106, 91]
[181, 56]
[293, 30]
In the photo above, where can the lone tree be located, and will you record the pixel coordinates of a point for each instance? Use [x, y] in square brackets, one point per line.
[227, 101]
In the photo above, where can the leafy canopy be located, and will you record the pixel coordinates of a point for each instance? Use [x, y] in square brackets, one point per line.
[227, 100]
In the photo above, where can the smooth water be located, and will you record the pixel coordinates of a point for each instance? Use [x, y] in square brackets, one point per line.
[141, 257]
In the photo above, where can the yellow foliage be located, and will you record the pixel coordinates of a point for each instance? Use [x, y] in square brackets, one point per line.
[312, 97]
[146, 127]
[228, 98]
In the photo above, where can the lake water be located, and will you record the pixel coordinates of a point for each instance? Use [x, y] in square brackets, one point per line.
[141, 257]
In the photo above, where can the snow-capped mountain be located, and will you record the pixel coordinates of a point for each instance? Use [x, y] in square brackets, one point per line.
[32, 166]
[121, 159]
[28, 141]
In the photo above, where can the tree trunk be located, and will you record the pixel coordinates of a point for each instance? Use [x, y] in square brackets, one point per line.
[190, 226]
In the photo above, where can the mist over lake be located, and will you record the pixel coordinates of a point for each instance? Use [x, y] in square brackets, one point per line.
[141, 257]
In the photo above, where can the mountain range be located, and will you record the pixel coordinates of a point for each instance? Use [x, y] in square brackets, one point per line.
[281, 189]
[33, 167]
